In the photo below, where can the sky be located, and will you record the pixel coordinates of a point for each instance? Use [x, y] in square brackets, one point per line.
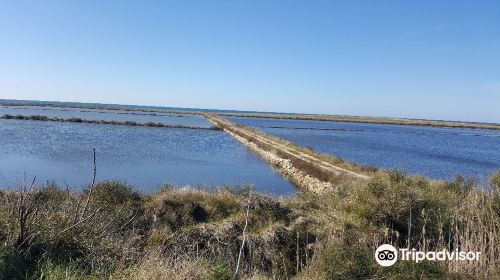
[418, 59]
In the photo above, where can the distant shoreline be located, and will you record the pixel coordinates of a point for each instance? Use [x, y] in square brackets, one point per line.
[377, 120]
[79, 120]
[288, 116]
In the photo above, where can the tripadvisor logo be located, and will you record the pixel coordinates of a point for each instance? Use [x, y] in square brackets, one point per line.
[387, 255]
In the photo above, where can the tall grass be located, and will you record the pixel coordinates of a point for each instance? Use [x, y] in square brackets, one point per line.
[200, 234]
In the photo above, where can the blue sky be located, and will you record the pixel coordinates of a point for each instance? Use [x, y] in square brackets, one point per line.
[421, 59]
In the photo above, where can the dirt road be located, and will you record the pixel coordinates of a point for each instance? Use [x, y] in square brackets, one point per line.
[305, 170]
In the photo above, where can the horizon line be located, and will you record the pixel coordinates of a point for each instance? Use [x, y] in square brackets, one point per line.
[55, 102]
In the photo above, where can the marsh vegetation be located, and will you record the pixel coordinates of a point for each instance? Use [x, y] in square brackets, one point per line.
[110, 231]
[112, 122]
[317, 117]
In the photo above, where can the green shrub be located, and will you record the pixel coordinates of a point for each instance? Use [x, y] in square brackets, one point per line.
[340, 261]
[405, 205]
[265, 210]
[15, 264]
[221, 270]
[51, 196]
[222, 206]
[112, 193]
[50, 271]
[406, 270]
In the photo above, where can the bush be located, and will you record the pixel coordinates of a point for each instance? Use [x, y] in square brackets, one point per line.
[132, 123]
[340, 261]
[495, 181]
[406, 270]
[197, 234]
[404, 205]
[153, 124]
[39, 118]
[221, 270]
[15, 264]
[50, 271]
[112, 194]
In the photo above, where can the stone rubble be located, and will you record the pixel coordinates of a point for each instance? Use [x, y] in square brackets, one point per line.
[285, 168]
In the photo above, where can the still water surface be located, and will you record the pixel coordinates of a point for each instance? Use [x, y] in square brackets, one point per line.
[145, 157]
[439, 153]
[107, 115]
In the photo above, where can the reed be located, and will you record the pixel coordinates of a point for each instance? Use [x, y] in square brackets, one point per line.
[199, 234]
[79, 120]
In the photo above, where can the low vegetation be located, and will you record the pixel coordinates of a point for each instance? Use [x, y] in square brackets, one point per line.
[352, 166]
[110, 231]
[358, 119]
[335, 118]
[79, 120]
[101, 107]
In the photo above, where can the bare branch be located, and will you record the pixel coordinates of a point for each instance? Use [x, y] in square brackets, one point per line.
[77, 210]
[244, 239]
[81, 221]
[111, 221]
[91, 187]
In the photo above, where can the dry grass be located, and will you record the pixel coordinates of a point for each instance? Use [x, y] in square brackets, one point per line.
[187, 231]
[198, 234]
[157, 266]
[367, 170]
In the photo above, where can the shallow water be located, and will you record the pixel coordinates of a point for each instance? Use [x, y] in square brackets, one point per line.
[107, 115]
[439, 153]
[145, 157]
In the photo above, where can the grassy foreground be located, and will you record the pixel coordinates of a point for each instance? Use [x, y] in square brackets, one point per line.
[109, 231]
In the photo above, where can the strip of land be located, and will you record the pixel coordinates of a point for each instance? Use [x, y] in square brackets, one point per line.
[79, 120]
[313, 117]
[110, 231]
[307, 169]
[104, 107]
[378, 120]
